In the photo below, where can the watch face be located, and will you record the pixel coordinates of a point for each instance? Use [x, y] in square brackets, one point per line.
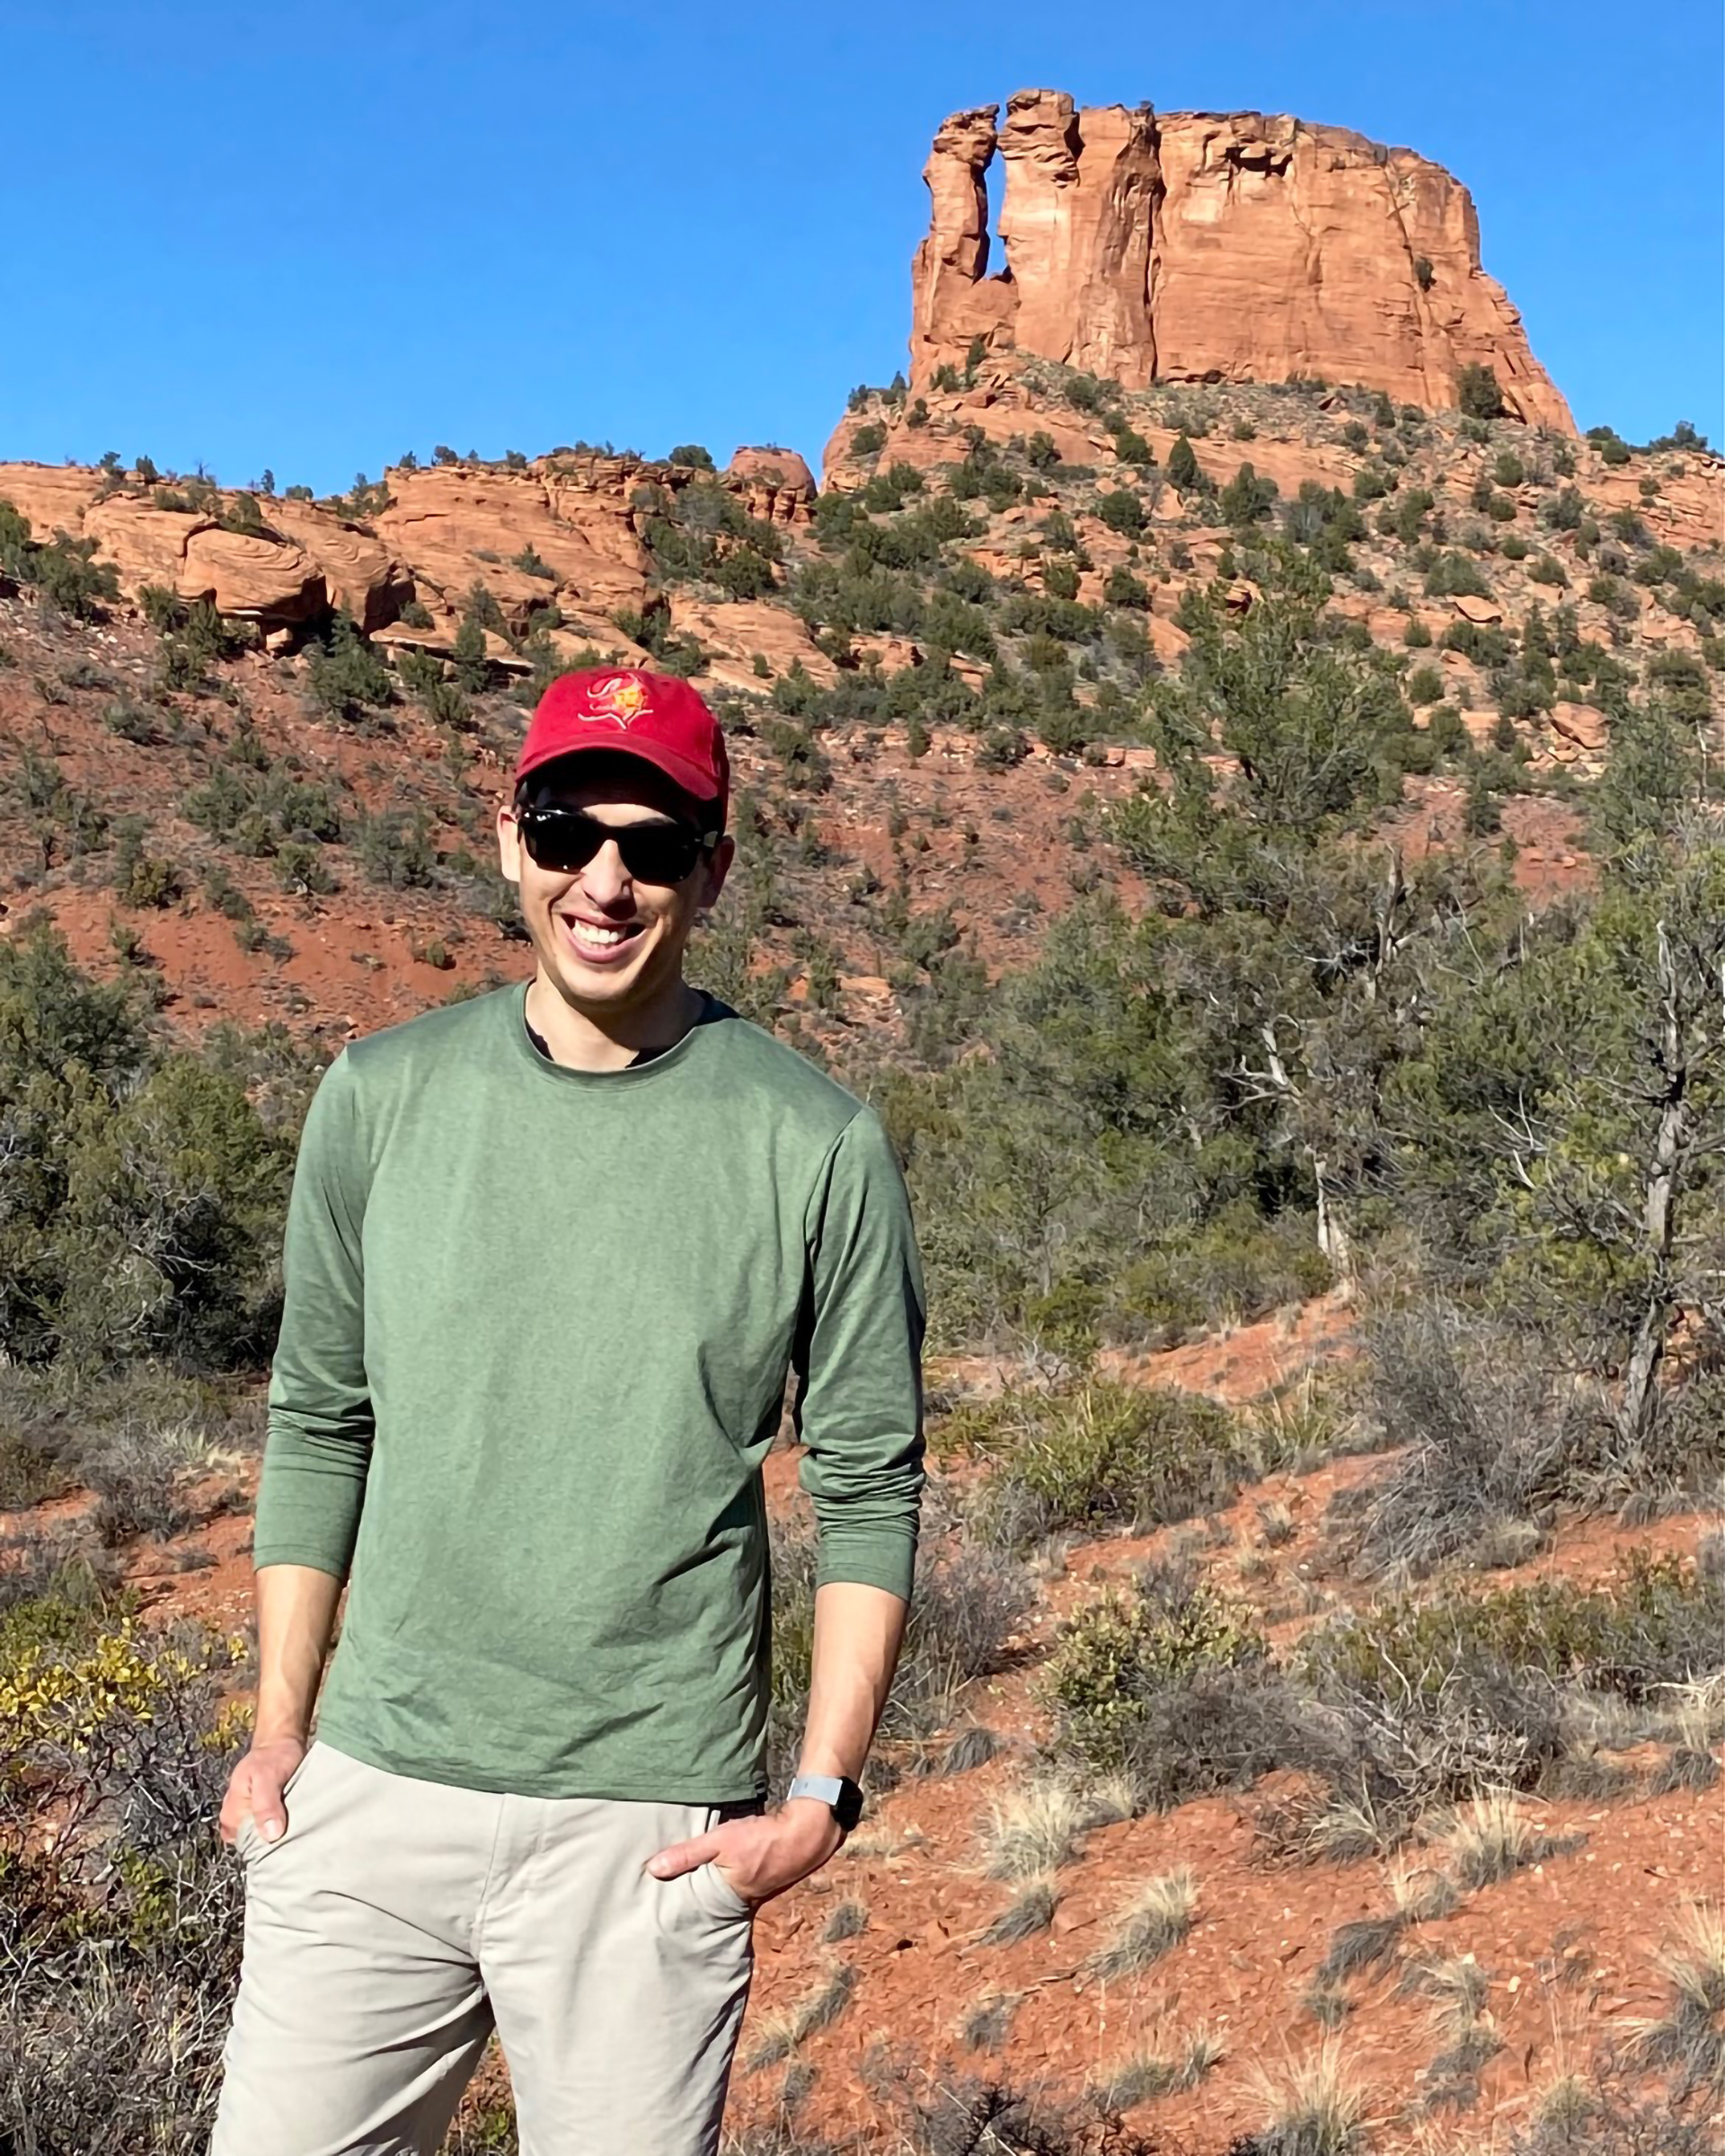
[848, 1808]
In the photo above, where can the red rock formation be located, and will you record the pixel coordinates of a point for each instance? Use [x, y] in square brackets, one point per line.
[954, 299]
[303, 560]
[462, 524]
[1213, 247]
[775, 484]
[1078, 218]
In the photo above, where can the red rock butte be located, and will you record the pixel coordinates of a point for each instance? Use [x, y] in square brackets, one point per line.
[1213, 247]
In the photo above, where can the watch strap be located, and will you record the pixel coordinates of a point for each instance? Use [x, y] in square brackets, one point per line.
[837, 1792]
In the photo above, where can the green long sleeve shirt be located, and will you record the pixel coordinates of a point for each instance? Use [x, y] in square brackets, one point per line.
[537, 1331]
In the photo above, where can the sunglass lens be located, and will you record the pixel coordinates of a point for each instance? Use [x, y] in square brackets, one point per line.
[564, 841]
[559, 841]
[652, 855]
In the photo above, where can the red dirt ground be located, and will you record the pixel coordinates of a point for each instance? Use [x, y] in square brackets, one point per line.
[1568, 1948]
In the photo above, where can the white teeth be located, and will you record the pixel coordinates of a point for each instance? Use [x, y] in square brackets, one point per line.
[601, 938]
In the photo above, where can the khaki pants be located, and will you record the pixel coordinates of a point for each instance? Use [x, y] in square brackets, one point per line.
[396, 1922]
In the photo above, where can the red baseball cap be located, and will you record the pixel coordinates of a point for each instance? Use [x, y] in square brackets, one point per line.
[657, 716]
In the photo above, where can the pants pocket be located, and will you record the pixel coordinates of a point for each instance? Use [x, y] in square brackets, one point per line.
[717, 1897]
[714, 1892]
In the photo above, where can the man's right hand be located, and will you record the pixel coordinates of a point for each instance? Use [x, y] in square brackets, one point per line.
[254, 1790]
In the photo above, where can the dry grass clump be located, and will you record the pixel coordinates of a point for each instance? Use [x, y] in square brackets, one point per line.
[1421, 1894]
[969, 1747]
[1032, 1831]
[1328, 2006]
[1313, 2106]
[1156, 1917]
[1167, 2065]
[1696, 1725]
[845, 1920]
[1687, 2041]
[1467, 2036]
[1492, 1837]
[1031, 1909]
[1360, 1944]
[1593, 2122]
[781, 2034]
[1304, 1423]
[986, 2025]
[1275, 1525]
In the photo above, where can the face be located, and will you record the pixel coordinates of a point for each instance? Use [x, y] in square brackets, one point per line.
[609, 944]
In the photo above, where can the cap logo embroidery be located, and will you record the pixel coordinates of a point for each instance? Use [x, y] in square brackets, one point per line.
[621, 698]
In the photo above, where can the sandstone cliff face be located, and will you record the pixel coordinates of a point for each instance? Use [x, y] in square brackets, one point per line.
[574, 517]
[303, 562]
[1200, 246]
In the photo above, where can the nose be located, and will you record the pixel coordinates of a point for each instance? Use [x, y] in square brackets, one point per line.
[605, 879]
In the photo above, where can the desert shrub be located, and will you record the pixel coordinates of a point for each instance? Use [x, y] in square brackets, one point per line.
[347, 679]
[145, 1190]
[1485, 1433]
[1456, 575]
[1247, 499]
[1422, 1700]
[63, 572]
[1478, 393]
[120, 1936]
[1579, 2121]
[1122, 588]
[1184, 471]
[1425, 685]
[395, 850]
[1170, 1686]
[1108, 1456]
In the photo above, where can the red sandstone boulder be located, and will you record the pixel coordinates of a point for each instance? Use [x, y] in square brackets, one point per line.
[775, 484]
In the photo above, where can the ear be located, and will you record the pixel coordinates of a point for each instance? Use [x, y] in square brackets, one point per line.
[509, 845]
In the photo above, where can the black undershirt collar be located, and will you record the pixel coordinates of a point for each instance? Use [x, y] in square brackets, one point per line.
[539, 1042]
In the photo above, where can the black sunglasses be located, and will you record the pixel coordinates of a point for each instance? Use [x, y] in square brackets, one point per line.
[564, 840]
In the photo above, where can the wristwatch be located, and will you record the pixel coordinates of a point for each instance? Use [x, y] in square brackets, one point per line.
[837, 1792]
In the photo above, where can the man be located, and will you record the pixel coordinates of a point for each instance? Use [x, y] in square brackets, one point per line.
[550, 1259]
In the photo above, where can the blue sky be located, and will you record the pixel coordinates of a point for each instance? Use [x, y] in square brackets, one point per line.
[313, 240]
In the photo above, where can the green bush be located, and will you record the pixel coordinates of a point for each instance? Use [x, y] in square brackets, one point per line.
[347, 679]
[1121, 511]
[1425, 685]
[395, 850]
[1455, 575]
[1110, 1457]
[1184, 471]
[1247, 499]
[63, 571]
[1118, 1650]
[1478, 393]
[145, 1192]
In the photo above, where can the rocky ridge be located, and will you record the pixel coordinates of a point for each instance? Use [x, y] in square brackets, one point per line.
[435, 532]
[1212, 247]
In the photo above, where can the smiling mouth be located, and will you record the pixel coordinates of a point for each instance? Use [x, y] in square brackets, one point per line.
[597, 941]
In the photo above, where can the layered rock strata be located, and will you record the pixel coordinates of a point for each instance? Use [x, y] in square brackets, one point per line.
[1220, 247]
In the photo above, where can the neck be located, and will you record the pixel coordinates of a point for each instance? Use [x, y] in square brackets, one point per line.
[585, 1042]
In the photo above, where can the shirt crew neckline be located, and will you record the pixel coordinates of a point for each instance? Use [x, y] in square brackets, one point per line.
[631, 1073]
